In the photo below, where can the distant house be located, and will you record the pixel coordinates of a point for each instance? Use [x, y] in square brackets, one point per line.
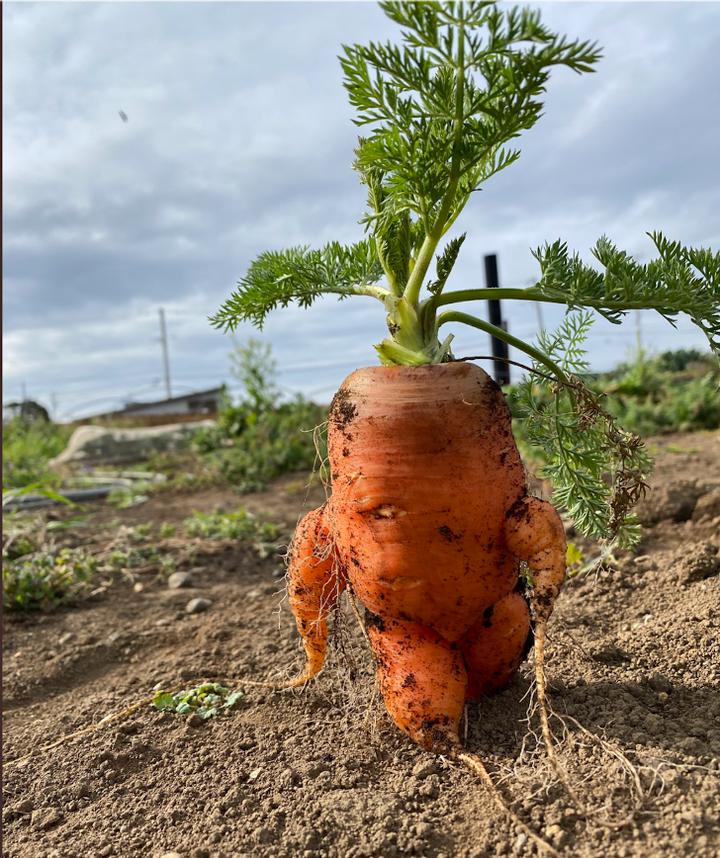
[190, 406]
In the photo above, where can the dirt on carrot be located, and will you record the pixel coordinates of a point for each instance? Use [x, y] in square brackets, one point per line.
[322, 771]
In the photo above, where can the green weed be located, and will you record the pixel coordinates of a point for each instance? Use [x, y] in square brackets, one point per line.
[131, 496]
[240, 525]
[44, 580]
[27, 448]
[204, 700]
[681, 451]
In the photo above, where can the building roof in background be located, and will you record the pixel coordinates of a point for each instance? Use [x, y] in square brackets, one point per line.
[131, 407]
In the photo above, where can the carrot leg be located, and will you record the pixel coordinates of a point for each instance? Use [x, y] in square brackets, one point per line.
[495, 646]
[315, 582]
[422, 679]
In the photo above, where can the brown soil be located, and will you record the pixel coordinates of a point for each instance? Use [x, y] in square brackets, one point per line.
[633, 658]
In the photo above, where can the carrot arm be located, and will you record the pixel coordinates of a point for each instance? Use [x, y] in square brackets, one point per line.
[315, 582]
[534, 533]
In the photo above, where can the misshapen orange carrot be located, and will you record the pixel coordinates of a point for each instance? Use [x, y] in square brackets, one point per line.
[428, 518]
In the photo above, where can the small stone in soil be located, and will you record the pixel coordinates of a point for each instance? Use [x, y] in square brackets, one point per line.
[519, 844]
[180, 579]
[81, 790]
[194, 720]
[659, 682]
[424, 769]
[45, 818]
[197, 606]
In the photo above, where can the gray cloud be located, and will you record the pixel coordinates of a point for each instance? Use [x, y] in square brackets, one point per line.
[239, 139]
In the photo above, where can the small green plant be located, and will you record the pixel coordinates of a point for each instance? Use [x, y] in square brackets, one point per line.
[133, 558]
[27, 447]
[234, 525]
[255, 368]
[43, 580]
[167, 530]
[128, 497]
[142, 531]
[677, 450]
[575, 559]
[240, 525]
[204, 700]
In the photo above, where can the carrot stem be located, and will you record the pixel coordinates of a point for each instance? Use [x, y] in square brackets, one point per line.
[467, 319]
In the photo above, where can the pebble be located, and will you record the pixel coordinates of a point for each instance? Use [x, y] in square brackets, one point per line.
[424, 769]
[254, 774]
[654, 724]
[81, 789]
[556, 834]
[659, 682]
[180, 579]
[45, 818]
[171, 855]
[519, 843]
[194, 720]
[66, 638]
[253, 594]
[197, 606]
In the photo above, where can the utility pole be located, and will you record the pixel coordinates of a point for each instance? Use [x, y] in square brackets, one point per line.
[166, 363]
[501, 369]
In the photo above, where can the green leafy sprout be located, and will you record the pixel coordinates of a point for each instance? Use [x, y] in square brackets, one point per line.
[240, 525]
[203, 700]
[441, 111]
[42, 580]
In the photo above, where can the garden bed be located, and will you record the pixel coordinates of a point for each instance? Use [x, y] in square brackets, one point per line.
[633, 656]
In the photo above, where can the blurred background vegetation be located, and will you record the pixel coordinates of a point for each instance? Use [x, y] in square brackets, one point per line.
[258, 436]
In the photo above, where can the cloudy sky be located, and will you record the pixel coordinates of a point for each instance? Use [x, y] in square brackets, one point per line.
[239, 139]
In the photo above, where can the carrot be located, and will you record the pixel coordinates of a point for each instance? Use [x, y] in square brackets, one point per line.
[428, 519]
[429, 516]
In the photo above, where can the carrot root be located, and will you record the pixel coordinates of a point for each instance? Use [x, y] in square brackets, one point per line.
[478, 767]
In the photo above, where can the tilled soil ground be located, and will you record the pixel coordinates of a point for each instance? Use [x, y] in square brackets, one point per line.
[634, 661]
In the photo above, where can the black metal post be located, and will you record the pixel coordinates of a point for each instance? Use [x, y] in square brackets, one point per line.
[501, 369]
